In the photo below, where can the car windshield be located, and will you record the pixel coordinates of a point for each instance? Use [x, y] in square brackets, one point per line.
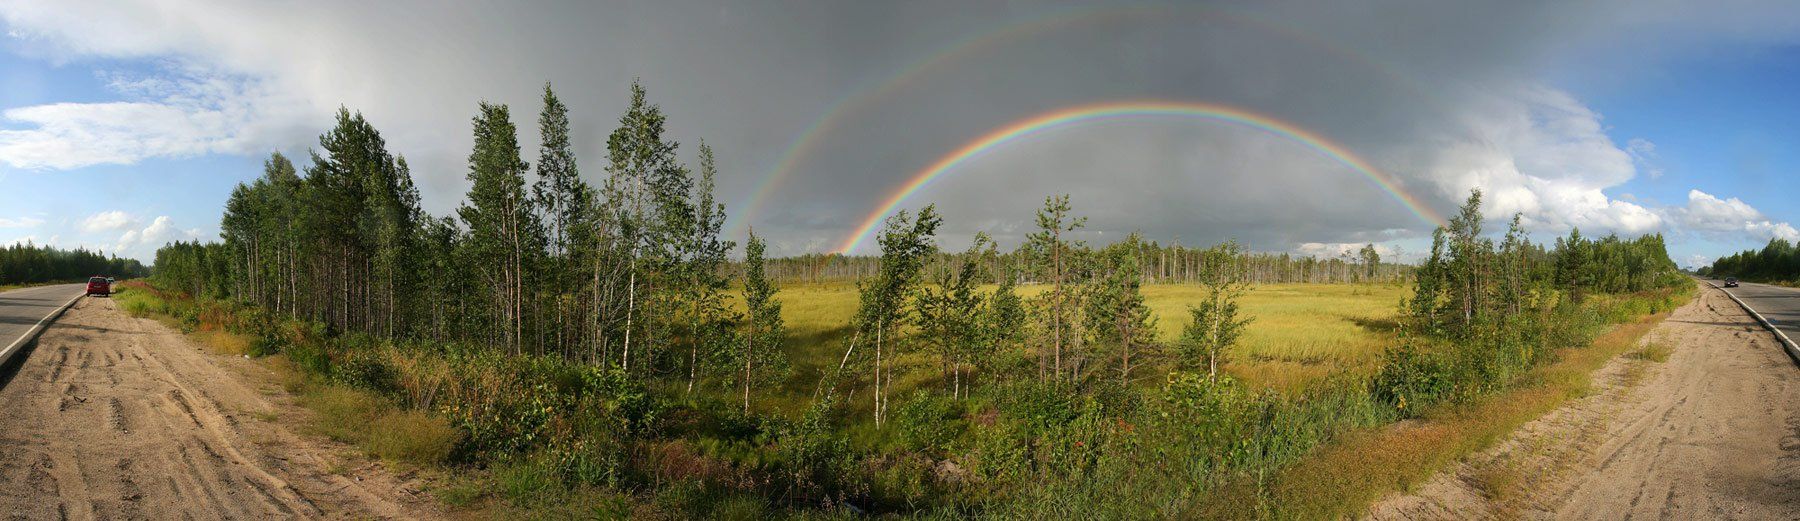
[94, 280]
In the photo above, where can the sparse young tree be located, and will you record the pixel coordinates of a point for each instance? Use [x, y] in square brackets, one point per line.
[950, 315]
[760, 354]
[704, 258]
[1214, 325]
[906, 242]
[1051, 253]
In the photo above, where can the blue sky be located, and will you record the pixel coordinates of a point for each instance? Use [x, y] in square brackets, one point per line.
[124, 124]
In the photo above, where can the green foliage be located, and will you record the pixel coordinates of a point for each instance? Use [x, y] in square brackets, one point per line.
[928, 421]
[1777, 262]
[1214, 325]
[26, 263]
[1481, 316]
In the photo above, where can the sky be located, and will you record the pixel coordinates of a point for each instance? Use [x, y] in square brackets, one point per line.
[125, 124]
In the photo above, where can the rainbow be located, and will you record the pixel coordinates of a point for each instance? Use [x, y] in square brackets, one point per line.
[1127, 109]
[860, 99]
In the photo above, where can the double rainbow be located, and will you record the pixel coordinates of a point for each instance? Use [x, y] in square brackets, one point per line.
[1129, 109]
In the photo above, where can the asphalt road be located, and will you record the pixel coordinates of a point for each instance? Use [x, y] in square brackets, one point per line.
[1778, 304]
[22, 308]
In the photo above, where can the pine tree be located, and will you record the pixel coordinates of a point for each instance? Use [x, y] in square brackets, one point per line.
[1116, 303]
[1051, 251]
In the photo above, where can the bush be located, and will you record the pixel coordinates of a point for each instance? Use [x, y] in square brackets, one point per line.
[412, 436]
[344, 414]
[366, 370]
[928, 420]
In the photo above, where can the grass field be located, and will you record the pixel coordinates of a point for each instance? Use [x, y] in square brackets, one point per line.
[1300, 332]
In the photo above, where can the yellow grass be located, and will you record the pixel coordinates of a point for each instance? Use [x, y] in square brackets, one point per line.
[1300, 332]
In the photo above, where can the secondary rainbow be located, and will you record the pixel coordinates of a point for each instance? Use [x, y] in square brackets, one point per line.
[1065, 117]
[843, 111]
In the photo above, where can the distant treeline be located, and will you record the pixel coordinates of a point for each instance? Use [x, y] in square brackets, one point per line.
[1162, 264]
[1778, 261]
[25, 263]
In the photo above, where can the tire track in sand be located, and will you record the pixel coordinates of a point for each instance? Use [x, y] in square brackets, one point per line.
[1714, 432]
[118, 417]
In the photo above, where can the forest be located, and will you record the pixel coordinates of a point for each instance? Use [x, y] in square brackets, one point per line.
[26, 263]
[603, 350]
[1776, 263]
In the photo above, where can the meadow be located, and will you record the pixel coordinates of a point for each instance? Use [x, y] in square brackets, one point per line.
[1299, 333]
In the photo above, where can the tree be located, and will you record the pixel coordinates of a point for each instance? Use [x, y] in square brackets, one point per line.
[1002, 320]
[1116, 303]
[950, 316]
[1051, 252]
[502, 223]
[1371, 261]
[761, 355]
[1213, 325]
[567, 204]
[1468, 263]
[643, 192]
[704, 254]
[905, 244]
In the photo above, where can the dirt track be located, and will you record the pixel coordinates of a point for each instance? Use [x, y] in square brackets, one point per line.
[1712, 433]
[115, 417]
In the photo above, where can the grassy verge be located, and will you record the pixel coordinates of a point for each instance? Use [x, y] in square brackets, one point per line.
[1343, 477]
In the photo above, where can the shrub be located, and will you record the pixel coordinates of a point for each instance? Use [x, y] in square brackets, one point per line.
[412, 436]
[366, 370]
[928, 420]
[344, 414]
[1412, 379]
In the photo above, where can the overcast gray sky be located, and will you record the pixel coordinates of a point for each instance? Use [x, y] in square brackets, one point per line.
[1444, 96]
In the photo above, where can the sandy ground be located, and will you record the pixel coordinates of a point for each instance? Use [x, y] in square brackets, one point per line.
[1713, 433]
[114, 417]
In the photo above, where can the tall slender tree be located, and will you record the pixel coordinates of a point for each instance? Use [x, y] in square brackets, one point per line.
[1051, 251]
[502, 223]
[760, 354]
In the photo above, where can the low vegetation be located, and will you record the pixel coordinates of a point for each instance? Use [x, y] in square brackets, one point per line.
[593, 352]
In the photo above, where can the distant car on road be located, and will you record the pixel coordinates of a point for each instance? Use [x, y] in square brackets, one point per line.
[99, 286]
[1731, 282]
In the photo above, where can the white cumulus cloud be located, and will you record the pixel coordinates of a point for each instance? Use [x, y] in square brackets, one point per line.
[161, 231]
[1729, 218]
[107, 221]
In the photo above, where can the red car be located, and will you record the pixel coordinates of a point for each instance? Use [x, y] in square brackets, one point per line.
[99, 286]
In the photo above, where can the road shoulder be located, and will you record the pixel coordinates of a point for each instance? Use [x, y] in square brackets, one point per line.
[120, 417]
[1713, 431]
